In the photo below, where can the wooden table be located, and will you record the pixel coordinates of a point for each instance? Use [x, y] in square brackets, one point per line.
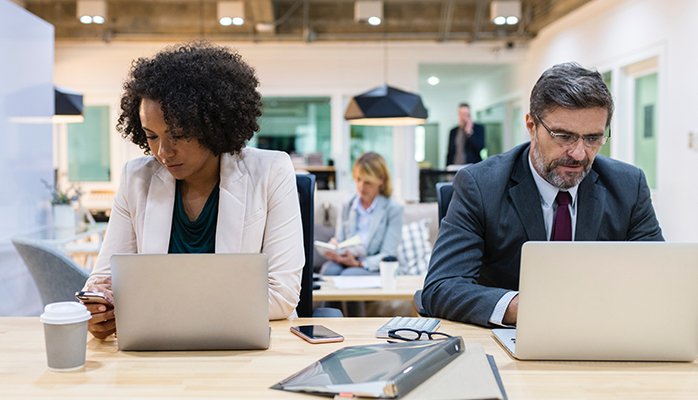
[406, 286]
[110, 373]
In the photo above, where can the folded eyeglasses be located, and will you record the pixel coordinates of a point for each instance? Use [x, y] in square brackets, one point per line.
[410, 334]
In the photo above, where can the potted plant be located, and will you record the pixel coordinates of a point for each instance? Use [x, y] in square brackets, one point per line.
[62, 204]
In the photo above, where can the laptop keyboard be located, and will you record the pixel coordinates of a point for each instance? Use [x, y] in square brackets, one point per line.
[421, 324]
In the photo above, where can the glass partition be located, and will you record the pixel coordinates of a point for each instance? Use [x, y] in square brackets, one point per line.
[88, 147]
[646, 127]
[295, 125]
[378, 139]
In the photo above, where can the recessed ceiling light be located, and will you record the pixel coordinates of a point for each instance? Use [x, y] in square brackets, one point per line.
[226, 21]
[512, 20]
[500, 21]
[433, 80]
[86, 19]
[374, 21]
[98, 19]
[238, 21]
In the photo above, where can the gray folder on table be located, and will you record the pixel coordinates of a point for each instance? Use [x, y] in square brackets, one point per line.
[436, 369]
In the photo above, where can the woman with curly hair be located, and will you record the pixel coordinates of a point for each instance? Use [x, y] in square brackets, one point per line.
[192, 108]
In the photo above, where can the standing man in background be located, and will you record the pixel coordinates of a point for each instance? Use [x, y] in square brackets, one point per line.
[466, 140]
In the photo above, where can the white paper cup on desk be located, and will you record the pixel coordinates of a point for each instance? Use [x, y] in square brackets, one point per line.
[389, 268]
[65, 333]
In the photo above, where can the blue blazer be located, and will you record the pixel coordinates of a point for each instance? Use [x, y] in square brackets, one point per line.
[385, 232]
[496, 208]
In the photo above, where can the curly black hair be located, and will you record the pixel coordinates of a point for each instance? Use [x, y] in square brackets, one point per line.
[206, 93]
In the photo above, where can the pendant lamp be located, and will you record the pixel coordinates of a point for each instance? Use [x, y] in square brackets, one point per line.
[386, 105]
[68, 105]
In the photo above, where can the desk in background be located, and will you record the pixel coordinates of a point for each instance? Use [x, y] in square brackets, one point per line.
[428, 178]
[60, 237]
[324, 176]
[406, 287]
[65, 239]
[110, 373]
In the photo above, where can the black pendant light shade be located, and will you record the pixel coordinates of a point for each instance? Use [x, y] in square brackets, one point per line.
[68, 106]
[386, 105]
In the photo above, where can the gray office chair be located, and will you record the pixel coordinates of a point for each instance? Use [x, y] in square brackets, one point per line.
[56, 275]
[444, 192]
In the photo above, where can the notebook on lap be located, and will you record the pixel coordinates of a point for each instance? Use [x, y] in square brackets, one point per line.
[624, 301]
[191, 301]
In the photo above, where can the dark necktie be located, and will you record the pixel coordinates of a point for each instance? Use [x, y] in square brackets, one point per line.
[562, 226]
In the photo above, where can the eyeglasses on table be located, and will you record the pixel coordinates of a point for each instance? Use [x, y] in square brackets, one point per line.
[410, 334]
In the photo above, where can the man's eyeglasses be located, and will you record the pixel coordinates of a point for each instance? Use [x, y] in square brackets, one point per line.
[415, 334]
[568, 139]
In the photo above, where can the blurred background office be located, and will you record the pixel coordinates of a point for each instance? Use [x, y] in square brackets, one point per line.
[312, 57]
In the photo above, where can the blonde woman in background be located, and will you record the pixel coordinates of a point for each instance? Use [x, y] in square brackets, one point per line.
[372, 215]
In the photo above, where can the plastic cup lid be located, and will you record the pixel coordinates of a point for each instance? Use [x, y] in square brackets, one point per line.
[389, 259]
[65, 312]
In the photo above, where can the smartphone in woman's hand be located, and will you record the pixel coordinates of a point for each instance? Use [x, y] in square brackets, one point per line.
[93, 297]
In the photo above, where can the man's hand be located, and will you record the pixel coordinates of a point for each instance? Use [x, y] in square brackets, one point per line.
[468, 128]
[512, 310]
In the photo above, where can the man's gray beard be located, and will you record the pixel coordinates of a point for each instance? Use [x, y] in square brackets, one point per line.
[550, 174]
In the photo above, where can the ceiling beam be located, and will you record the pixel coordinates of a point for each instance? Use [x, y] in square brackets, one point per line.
[447, 8]
[262, 13]
[556, 10]
[479, 19]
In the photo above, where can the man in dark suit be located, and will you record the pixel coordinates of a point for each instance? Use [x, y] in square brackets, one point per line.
[466, 140]
[512, 198]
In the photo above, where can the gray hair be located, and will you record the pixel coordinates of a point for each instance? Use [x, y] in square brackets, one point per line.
[570, 86]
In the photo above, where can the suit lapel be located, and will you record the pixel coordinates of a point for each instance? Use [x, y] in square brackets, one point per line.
[589, 200]
[157, 224]
[526, 199]
[231, 208]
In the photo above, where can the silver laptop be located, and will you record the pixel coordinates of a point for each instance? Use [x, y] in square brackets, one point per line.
[624, 301]
[191, 301]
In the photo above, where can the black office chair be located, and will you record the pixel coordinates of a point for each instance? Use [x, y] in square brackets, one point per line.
[306, 194]
[444, 192]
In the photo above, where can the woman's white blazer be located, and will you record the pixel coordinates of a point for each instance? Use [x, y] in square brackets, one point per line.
[258, 213]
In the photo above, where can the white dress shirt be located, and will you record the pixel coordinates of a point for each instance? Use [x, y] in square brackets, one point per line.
[363, 219]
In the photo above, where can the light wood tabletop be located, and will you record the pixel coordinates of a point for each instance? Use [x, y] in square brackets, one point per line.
[406, 287]
[110, 373]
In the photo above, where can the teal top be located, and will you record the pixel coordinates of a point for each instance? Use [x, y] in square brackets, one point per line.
[194, 236]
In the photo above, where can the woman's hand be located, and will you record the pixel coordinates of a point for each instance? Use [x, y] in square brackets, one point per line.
[345, 260]
[103, 322]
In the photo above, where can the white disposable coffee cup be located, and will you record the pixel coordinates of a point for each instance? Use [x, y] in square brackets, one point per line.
[65, 333]
[389, 268]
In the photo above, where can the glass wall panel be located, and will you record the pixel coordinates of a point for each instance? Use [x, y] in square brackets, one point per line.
[493, 120]
[606, 149]
[378, 139]
[88, 147]
[646, 127]
[295, 125]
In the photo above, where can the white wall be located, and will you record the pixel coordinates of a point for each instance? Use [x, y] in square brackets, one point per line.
[338, 70]
[609, 34]
[26, 107]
